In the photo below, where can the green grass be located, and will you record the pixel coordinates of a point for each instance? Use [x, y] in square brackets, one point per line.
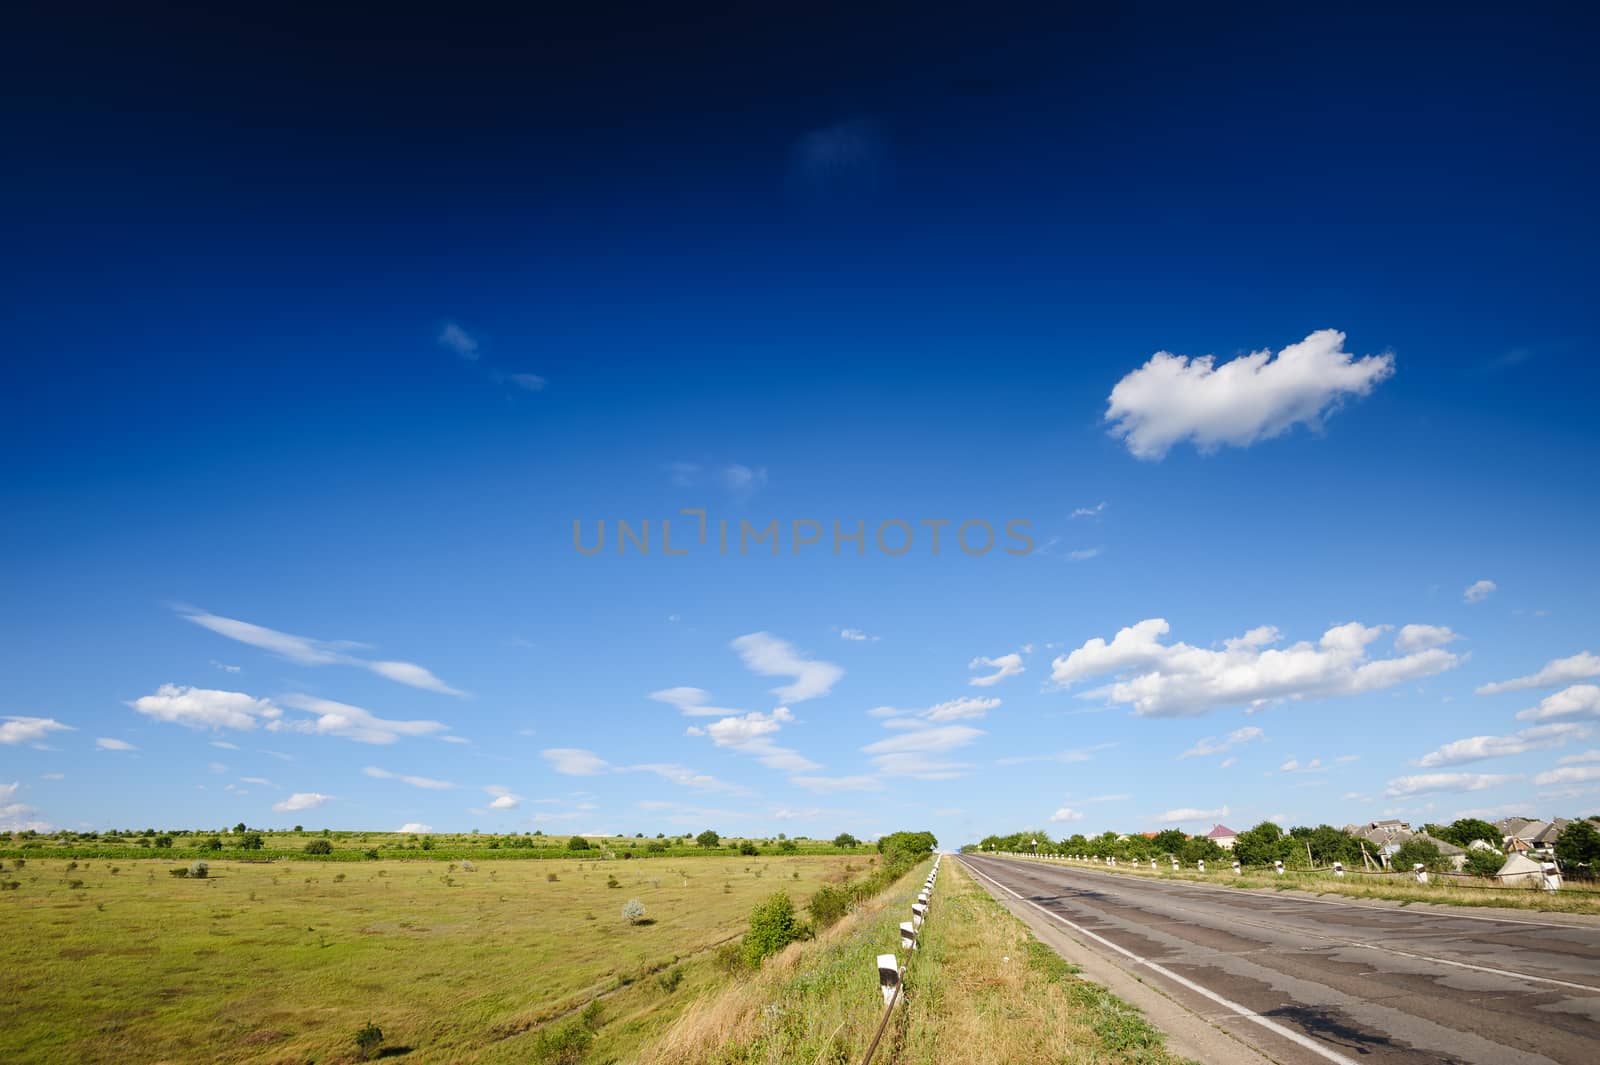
[286, 961]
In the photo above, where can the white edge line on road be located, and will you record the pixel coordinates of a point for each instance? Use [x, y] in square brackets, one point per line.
[1250, 1015]
[1305, 891]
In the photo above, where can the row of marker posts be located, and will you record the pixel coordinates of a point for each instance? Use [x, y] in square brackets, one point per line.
[891, 974]
[1549, 872]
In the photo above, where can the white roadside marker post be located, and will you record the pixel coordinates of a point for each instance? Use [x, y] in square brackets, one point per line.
[888, 976]
[1236, 867]
[1420, 873]
[908, 936]
[1278, 867]
[1338, 868]
[1152, 865]
[1201, 865]
[1549, 876]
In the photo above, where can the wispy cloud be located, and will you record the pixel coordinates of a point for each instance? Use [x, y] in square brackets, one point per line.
[1008, 665]
[301, 800]
[909, 754]
[29, 729]
[106, 743]
[1211, 745]
[769, 656]
[503, 797]
[574, 761]
[1478, 591]
[1431, 783]
[1066, 813]
[1580, 700]
[307, 651]
[457, 340]
[1090, 512]
[691, 702]
[1190, 813]
[1557, 671]
[752, 734]
[416, 782]
[829, 785]
[856, 635]
[206, 708]
[350, 722]
[1476, 748]
[1254, 397]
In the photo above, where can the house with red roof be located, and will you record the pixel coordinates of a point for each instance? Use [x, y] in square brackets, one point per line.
[1222, 836]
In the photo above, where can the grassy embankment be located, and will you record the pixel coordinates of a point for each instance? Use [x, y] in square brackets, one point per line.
[980, 990]
[119, 962]
[1395, 887]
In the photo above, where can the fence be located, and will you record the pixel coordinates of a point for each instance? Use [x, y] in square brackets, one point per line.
[891, 974]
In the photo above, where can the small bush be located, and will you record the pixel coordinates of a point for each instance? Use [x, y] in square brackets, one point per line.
[632, 911]
[669, 980]
[319, 846]
[828, 906]
[729, 958]
[773, 926]
[182, 872]
[577, 843]
[551, 877]
[212, 844]
[371, 854]
[565, 1045]
[1483, 863]
[748, 848]
[74, 885]
[368, 1040]
[250, 841]
[613, 882]
[199, 870]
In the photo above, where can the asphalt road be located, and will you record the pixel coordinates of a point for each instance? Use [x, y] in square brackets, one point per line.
[1308, 980]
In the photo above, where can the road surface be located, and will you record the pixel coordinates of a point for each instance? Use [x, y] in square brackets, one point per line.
[1317, 980]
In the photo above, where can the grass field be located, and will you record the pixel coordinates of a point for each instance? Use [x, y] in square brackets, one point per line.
[117, 961]
[1397, 888]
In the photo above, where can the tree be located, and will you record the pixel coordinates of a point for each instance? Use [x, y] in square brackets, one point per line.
[748, 848]
[164, 841]
[773, 926]
[1261, 845]
[250, 841]
[1329, 845]
[708, 839]
[1415, 851]
[1579, 846]
[845, 839]
[319, 846]
[632, 911]
[1170, 841]
[1464, 831]
[1482, 862]
[239, 829]
[212, 844]
[1201, 849]
[577, 843]
[906, 848]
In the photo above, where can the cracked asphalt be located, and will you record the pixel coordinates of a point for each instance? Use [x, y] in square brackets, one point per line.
[1321, 979]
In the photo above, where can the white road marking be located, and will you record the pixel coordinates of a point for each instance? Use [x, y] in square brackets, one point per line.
[1250, 1015]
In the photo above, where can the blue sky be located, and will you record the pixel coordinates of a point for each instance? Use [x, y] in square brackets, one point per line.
[319, 345]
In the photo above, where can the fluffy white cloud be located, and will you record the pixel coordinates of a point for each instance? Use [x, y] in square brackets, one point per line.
[29, 729]
[1254, 397]
[106, 743]
[503, 798]
[1568, 775]
[1293, 765]
[1004, 666]
[1580, 700]
[752, 734]
[458, 340]
[770, 656]
[1422, 637]
[1178, 680]
[1211, 745]
[1478, 591]
[1066, 813]
[692, 702]
[301, 800]
[1430, 783]
[350, 722]
[1190, 813]
[307, 651]
[416, 782]
[1476, 748]
[20, 817]
[415, 828]
[206, 708]
[574, 761]
[1580, 666]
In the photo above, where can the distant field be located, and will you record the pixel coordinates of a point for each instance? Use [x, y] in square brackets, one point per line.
[285, 961]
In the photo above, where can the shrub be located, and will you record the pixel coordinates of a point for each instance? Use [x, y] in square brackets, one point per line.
[748, 848]
[708, 839]
[654, 847]
[551, 877]
[729, 958]
[845, 839]
[828, 905]
[427, 843]
[577, 843]
[788, 846]
[1483, 863]
[1413, 851]
[199, 870]
[74, 885]
[773, 926]
[164, 841]
[669, 980]
[212, 844]
[180, 872]
[632, 911]
[319, 846]
[371, 853]
[613, 882]
[250, 841]
[368, 1040]
[565, 1045]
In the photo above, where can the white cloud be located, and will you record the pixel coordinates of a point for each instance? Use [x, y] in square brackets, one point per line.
[9, 791]
[1179, 680]
[770, 656]
[692, 702]
[829, 785]
[1586, 756]
[960, 709]
[106, 743]
[1067, 814]
[784, 813]
[751, 734]
[528, 382]
[415, 828]
[1004, 666]
[1090, 512]
[416, 782]
[203, 708]
[306, 651]
[689, 778]
[20, 817]
[741, 479]
[225, 745]
[1580, 666]
[1580, 700]
[1478, 591]
[301, 800]
[1430, 783]
[262, 781]
[1190, 813]
[1476, 748]
[351, 722]
[907, 754]
[855, 634]
[1211, 745]
[1084, 554]
[1568, 775]
[1422, 637]
[29, 729]
[1254, 397]
[574, 761]
[1293, 766]
[458, 340]
[1228, 763]
[503, 798]
[224, 667]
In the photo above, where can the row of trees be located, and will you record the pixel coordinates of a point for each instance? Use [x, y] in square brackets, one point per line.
[1266, 843]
